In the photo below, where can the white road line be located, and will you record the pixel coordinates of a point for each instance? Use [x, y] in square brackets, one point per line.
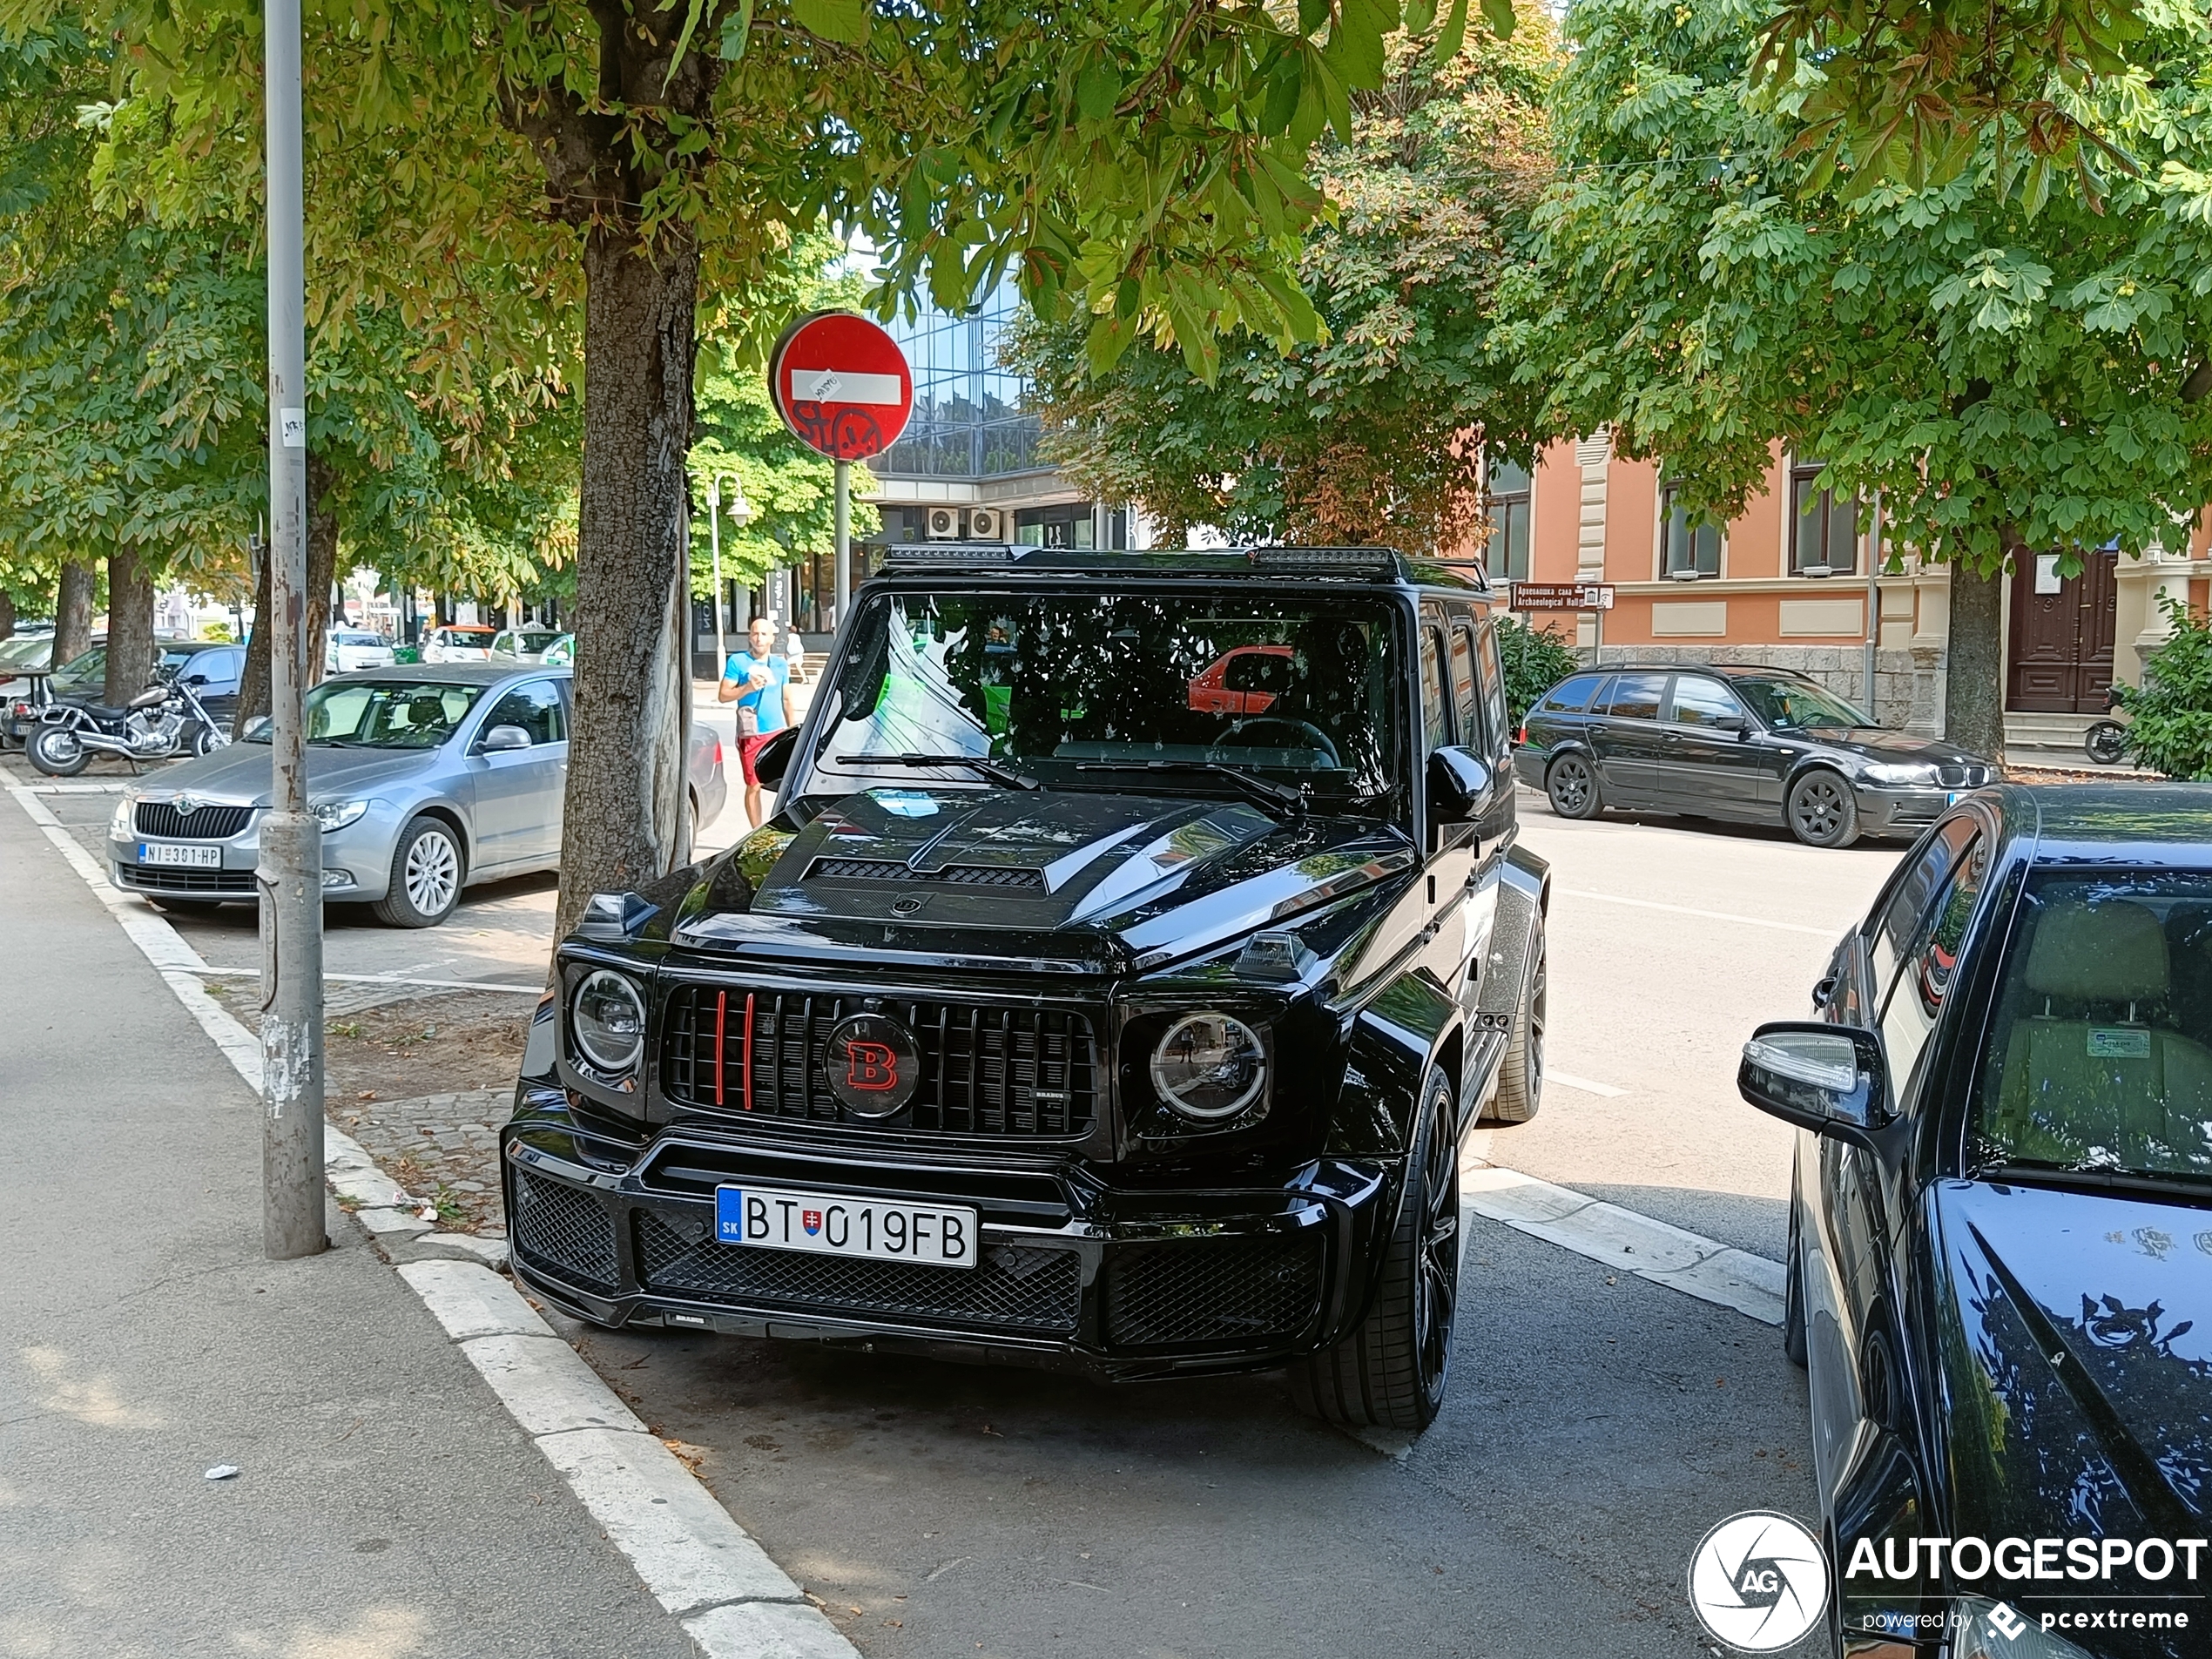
[734, 1602]
[1583, 1084]
[1707, 915]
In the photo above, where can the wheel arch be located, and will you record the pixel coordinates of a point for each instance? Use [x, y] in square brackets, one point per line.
[451, 816]
[1395, 1036]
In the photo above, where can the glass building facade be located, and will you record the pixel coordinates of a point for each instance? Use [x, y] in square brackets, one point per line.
[967, 419]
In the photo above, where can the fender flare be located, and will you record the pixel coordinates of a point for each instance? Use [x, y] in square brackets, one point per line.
[1393, 1038]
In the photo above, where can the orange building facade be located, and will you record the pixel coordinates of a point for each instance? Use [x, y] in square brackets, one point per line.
[1786, 585]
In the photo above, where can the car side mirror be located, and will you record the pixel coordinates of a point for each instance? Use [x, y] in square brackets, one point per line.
[1741, 726]
[1459, 783]
[196, 679]
[502, 738]
[1826, 1078]
[773, 760]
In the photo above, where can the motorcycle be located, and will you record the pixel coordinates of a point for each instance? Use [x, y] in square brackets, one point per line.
[2106, 741]
[161, 722]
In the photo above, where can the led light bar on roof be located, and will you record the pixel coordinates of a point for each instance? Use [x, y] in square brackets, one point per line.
[951, 553]
[1381, 560]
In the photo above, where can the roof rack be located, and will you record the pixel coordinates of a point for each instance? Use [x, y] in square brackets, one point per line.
[1382, 564]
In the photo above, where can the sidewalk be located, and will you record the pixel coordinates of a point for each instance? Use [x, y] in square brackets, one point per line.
[388, 1507]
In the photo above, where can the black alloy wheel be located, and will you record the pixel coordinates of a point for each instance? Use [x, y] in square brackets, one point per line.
[1572, 785]
[1822, 811]
[1520, 1075]
[1392, 1371]
[2106, 742]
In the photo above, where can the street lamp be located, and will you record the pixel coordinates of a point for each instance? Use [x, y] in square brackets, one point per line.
[740, 515]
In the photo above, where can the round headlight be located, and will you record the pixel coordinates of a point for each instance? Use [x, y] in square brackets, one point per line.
[1210, 1066]
[608, 1019]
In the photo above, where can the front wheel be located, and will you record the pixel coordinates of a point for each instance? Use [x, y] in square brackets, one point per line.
[56, 751]
[1572, 785]
[1823, 811]
[1521, 1078]
[427, 865]
[2106, 742]
[1391, 1372]
[206, 739]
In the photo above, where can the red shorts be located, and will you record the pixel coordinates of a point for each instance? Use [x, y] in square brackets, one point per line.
[747, 748]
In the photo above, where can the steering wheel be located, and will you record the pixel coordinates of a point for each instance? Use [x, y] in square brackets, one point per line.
[1309, 735]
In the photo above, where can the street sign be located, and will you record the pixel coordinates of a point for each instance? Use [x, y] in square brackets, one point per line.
[841, 384]
[1562, 595]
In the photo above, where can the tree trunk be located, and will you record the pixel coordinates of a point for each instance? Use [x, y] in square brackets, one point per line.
[7, 614]
[129, 627]
[624, 812]
[1973, 675]
[322, 562]
[73, 613]
[254, 679]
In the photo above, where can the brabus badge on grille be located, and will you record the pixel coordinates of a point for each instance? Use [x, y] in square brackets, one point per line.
[874, 1065]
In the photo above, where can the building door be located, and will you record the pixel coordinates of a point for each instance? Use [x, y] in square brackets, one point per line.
[2060, 660]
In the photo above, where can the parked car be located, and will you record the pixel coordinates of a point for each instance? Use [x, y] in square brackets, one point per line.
[349, 651]
[1757, 746]
[460, 643]
[559, 651]
[24, 659]
[523, 644]
[1056, 1018]
[1999, 1215]
[426, 779]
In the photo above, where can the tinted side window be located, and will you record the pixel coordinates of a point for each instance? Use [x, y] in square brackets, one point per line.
[1930, 963]
[1570, 696]
[1464, 694]
[1436, 709]
[1897, 919]
[1703, 703]
[536, 708]
[1636, 696]
[1494, 686]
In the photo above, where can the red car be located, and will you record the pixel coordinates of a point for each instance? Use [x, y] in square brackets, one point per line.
[1242, 681]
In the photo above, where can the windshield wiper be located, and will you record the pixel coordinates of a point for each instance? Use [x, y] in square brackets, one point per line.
[2104, 1179]
[1281, 799]
[1004, 776]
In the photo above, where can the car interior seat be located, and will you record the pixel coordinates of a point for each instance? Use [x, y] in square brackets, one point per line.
[2097, 1070]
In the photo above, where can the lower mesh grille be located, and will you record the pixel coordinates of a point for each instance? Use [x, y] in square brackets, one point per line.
[1211, 1289]
[1017, 1287]
[214, 884]
[564, 1230]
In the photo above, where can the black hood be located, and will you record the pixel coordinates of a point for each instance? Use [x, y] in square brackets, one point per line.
[1113, 879]
[1880, 743]
[2077, 1356]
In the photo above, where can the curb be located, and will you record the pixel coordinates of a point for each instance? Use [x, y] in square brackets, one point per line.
[707, 1571]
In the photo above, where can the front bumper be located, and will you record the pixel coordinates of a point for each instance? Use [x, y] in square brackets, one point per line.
[356, 862]
[1886, 811]
[1073, 1274]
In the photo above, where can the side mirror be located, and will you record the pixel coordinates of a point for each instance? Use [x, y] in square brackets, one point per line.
[255, 729]
[773, 760]
[1459, 783]
[196, 679]
[1740, 726]
[1826, 1078]
[501, 738]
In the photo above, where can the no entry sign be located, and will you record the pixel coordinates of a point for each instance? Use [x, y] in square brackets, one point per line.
[841, 384]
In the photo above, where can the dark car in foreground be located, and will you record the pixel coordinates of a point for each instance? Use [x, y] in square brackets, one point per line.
[2000, 1232]
[1062, 1016]
[1757, 746]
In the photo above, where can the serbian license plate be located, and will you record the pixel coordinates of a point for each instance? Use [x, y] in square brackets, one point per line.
[192, 858]
[829, 1224]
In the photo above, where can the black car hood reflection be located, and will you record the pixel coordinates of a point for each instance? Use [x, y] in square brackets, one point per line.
[2077, 1347]
[1880, 743]
[1107, 877]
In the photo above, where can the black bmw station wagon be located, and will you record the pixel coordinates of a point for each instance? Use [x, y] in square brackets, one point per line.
[1137, 939]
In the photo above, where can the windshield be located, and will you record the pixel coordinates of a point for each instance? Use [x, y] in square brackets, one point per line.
[1071, 687]
[28, 650]
[478, 637]
[1781, 705]
[2100, 1054]
[530, 642]
[384, 714]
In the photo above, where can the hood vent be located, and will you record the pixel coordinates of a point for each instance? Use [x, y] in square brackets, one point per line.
[959, 875]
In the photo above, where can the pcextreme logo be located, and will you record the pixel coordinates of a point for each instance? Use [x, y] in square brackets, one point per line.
[1758, 1581]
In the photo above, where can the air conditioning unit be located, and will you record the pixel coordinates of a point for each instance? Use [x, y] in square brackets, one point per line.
[942, 524]
[986, 524]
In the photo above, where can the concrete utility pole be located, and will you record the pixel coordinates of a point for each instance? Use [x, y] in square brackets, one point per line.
[291, 869]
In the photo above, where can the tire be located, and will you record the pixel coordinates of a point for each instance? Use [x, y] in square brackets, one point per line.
[56, 751]
[1793, 1294]
[203, 741]
[1520, 1075]
[2106, 742]
[1571, 783]
[1391, 1373]
[428, 868]
[1822, 811]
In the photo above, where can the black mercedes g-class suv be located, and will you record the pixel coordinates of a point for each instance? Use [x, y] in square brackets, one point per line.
[1137, 939]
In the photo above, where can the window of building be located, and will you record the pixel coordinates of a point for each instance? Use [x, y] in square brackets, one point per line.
[1685, 548]
[1506, 506]
[1823, 526]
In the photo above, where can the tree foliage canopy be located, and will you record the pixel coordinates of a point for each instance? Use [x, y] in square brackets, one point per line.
[1361, 436]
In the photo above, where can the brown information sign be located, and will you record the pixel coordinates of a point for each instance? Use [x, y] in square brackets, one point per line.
[1562, 595]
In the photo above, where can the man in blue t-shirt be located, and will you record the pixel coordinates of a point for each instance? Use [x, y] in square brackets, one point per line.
[758, 682]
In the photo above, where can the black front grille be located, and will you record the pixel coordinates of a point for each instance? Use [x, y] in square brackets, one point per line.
[161, 819]
[211, 884]
[1964, 777]
[957, 875]
[997, 1072]
[1015, 1287]
[1211, 1289]
[564, 1230]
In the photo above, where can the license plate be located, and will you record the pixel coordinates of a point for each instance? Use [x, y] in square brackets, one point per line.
[830, 1224]
[1951, 799]
[193, 858]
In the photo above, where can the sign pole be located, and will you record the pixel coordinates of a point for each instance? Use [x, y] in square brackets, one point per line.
[290, 875]
[714, 541]
[844, 584]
